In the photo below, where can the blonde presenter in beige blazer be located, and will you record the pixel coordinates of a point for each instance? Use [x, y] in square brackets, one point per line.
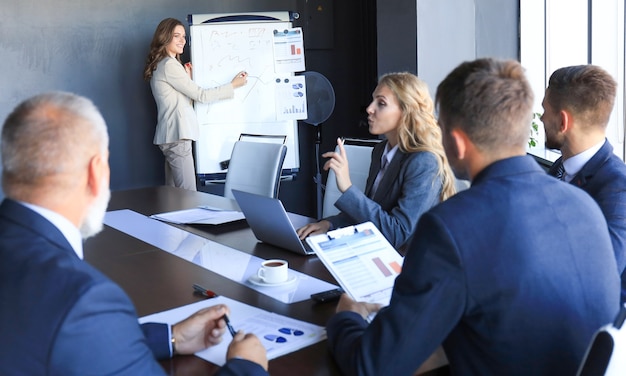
[174, 93]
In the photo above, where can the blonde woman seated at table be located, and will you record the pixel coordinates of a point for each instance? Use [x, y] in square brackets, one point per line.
[409, 172]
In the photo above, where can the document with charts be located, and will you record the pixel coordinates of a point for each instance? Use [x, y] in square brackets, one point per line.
[279, 334]
[361, 259]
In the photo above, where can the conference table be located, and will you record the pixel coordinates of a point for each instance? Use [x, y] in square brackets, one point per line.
[157, 280]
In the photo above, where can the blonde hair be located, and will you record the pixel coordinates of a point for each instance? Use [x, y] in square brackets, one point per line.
[158, 47]
[418, 129]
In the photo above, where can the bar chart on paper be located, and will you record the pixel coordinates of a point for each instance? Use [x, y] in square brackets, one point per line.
[288, 50]
[294, 110]
[291, 98]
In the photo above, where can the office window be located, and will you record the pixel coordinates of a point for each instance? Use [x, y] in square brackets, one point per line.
[557, 33]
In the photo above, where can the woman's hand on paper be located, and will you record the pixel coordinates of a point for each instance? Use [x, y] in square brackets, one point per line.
[320, 227]
[362, 308]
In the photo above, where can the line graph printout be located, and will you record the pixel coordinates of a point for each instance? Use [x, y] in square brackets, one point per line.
[361, 259]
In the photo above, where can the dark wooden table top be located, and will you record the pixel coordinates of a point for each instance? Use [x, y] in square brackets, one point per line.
[156, 280]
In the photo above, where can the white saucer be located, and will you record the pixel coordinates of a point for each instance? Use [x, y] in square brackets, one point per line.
[255, 280]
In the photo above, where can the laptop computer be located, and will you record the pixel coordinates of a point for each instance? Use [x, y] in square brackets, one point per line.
[271, 223]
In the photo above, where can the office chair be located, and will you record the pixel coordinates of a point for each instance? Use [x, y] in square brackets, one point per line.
[606, 354]
[255, 167]
[359, 154]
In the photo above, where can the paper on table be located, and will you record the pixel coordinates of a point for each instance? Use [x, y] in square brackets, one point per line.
[204, 215]
[361, 259]
[279, 334]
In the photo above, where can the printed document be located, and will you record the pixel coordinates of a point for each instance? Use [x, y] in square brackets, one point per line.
[279, 334]
[361, 259]
[202, 215]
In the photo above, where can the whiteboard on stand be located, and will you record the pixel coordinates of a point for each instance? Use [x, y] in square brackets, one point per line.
[218, 52]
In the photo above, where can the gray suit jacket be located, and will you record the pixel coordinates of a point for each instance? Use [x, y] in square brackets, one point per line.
[409, 187]
[173, 93]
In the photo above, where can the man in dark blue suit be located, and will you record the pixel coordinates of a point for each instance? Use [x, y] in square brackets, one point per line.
[577, 106]
[59, 315]
[511, 276]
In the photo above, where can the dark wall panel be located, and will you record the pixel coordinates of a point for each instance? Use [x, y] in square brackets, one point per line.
[98, 49]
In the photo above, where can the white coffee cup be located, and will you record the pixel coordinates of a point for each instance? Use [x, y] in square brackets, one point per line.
[273, 271]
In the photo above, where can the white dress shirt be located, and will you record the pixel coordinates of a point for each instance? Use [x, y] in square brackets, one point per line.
[574, 164]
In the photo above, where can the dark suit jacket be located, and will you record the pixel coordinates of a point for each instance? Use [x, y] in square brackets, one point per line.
[60, 315]
[508, 275]
[604, 178]
[409, 187]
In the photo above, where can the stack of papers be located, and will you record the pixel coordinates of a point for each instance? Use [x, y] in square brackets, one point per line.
[202, 215]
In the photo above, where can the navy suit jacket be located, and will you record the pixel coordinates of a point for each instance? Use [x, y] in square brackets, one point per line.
[61, 316]
[508, 275]
[409, 187]
[604, 178]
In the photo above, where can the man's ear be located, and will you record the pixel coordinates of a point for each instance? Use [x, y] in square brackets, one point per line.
[565, 121]
[95, 173]
[460, 140]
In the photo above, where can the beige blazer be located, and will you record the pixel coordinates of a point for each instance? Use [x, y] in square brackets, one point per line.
[174, 93]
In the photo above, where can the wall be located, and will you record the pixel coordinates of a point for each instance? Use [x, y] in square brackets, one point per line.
[397, 38]
[430, 37]
[98, 49]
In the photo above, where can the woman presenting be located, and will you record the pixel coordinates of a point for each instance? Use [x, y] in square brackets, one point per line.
[409, 172]
[174, 93]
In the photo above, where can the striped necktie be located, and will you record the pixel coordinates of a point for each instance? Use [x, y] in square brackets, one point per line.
[560, 172]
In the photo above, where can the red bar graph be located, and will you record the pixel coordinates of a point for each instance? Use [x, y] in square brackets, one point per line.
[381, 265]
[396, 267]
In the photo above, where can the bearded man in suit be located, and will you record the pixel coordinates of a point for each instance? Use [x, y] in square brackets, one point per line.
[60, 315]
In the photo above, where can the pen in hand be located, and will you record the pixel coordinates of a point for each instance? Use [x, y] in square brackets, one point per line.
[210, 294]
[229, 326]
